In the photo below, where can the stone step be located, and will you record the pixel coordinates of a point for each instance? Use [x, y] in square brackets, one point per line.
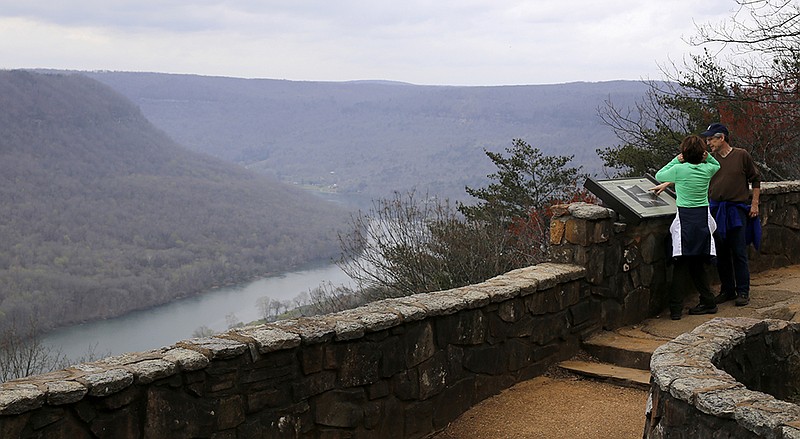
[625, 350]
[622, 376]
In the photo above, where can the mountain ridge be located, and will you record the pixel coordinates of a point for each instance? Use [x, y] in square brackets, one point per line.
[102, 213]
[369, 138]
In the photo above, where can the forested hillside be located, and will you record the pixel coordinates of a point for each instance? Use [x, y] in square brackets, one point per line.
[101, 213]
[372, 138]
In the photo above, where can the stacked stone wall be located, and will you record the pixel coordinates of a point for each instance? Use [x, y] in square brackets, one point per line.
[780, 218]
[728, 378]
[627, 266]
[398, 368]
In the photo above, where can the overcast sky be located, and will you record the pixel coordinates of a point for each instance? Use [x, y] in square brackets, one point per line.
[442, 42]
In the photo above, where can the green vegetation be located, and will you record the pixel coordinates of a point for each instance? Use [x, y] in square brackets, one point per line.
[101, 214]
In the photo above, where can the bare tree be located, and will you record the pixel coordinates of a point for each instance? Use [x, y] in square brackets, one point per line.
[328, 298]
[389, 247]
[651, 130]
[750, 73]
[23, 353]
[747, 76]
[232, 321]
[300, 300]
[760, 42]
[203, 331]
[264, 305]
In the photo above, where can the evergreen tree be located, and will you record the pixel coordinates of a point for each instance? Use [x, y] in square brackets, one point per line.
[525, 180]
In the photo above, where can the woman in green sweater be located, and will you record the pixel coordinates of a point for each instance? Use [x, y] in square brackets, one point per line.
[693, 226]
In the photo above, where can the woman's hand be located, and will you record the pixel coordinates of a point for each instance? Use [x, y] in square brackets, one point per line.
[660, 188]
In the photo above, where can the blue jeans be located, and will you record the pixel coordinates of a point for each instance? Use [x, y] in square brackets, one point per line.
[732, 262]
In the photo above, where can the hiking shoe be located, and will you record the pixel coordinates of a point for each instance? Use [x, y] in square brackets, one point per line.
[675, 315]
[742, 300]
[724, 297]
[703, 309]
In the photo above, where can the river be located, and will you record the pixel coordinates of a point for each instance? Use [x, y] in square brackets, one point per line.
[167, 324]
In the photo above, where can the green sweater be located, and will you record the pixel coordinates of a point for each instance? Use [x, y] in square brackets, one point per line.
[691, 181]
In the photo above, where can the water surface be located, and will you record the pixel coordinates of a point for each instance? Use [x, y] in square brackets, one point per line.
[167, 324]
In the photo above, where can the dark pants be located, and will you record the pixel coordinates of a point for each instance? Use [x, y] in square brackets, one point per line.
[732, 263]
[689, 269]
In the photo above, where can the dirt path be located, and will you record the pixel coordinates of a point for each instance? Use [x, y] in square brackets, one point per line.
[563, 407]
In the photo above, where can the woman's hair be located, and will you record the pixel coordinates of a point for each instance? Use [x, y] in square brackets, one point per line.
[693, 148]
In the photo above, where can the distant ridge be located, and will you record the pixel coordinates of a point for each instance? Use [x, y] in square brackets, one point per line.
[370, 138]
[377, 81]
[101, 213]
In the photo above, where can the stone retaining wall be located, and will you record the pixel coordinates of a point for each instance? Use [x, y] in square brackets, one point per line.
[711, 383]
[399, 368]
[626, 265]
[780, 218]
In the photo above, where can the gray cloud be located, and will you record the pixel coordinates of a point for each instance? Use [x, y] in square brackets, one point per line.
[445, 42]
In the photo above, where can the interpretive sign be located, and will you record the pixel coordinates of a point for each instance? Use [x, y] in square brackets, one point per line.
[631, 198]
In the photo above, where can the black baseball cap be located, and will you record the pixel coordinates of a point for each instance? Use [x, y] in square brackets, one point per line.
[715, 128]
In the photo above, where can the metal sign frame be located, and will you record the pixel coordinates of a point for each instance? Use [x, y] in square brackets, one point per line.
[631, 198]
